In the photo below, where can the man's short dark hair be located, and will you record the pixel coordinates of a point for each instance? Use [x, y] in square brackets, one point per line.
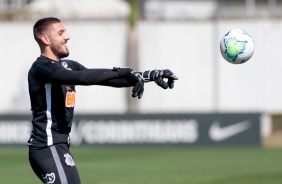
[42, 24]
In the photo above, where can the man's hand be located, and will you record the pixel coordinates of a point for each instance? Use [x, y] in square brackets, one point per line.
[138, 89]
[160, 75]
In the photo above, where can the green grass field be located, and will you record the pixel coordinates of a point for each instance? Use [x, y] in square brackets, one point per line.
[157, 165]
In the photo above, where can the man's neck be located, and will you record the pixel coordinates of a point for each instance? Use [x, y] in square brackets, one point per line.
[50, 56]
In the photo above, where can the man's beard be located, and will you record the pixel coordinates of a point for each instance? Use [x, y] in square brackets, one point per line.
[57, 50]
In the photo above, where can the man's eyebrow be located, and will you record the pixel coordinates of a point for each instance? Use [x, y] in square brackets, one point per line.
[61, 31]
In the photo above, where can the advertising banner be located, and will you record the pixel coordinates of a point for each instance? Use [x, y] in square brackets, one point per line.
[147, 129]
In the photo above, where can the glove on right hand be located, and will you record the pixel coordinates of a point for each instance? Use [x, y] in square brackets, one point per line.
[159, 75]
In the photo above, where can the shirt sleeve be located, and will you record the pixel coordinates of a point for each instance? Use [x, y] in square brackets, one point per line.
[121, 82]
[84, 77]
[54, 73]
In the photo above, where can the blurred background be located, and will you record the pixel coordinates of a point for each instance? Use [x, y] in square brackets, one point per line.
[222, 123]
[182, 35]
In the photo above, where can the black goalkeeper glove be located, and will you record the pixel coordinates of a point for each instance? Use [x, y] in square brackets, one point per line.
[138, 88]
[158, 77]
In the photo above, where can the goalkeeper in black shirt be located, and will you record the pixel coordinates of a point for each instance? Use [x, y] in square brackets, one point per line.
[52, 83]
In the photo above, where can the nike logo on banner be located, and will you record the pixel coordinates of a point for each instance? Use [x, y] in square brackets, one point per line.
[218, 133]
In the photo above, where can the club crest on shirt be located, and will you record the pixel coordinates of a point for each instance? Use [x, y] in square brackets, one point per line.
[69, 161]
[65, 65]
[49, 178]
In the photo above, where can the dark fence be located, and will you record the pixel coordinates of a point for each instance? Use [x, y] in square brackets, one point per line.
[232, 129]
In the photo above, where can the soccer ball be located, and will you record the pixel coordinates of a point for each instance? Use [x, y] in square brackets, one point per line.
[237, 46]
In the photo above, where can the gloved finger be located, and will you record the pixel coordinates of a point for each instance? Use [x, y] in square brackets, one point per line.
[135, 87]
[170, 83]
[168, 74]
[135, 90]
[160, 82]
[141, 93]
[138, 89]
[173, 77]
[134, 94]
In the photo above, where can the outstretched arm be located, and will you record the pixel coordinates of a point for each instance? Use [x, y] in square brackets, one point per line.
[53, 72]
[117, 77]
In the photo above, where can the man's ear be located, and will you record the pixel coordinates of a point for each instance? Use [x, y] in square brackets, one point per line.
[45, 39]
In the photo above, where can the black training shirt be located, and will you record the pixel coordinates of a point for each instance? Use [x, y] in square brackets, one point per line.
[52, 96]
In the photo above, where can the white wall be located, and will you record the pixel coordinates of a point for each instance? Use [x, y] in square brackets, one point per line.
[98, 44]
[190, 49]
[206, 81]
[17, 52]
[183, 48]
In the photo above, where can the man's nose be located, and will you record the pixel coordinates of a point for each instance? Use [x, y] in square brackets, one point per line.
[67, 37]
